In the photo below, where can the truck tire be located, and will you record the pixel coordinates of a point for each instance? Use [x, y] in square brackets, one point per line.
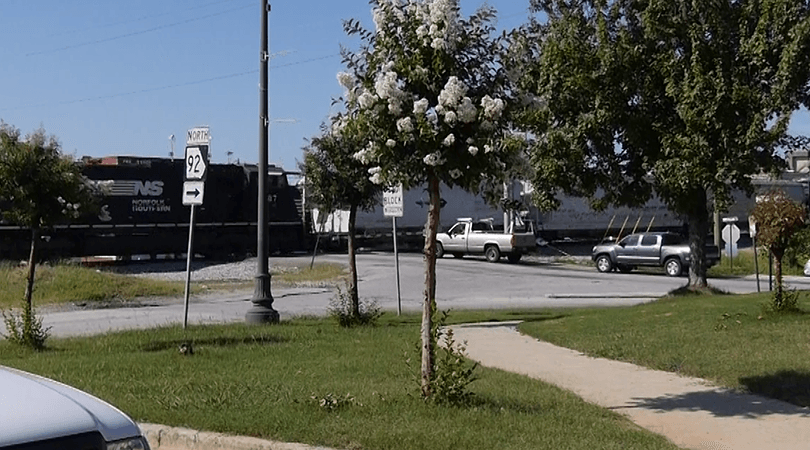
[439, 250]
[673, 267]
[492, 253]
[603, 263]
[513, 257]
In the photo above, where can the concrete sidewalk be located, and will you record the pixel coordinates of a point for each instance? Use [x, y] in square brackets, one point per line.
[691, 412]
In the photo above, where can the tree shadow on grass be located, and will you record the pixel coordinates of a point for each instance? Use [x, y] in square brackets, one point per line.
[720, 403]
[787, 385]
[686, 290]
[223, 341]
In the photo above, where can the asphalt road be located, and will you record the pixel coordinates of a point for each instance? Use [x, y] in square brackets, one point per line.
[462, 283]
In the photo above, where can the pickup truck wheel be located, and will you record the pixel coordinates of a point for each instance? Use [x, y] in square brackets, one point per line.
[673, 267]
[492, 253]
[439, 250]
[513, 257]
[603, 264]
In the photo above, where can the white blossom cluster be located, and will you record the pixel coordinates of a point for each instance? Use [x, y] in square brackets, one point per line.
[493, 108]
[376, 175]
[69, 209]
[454, 104]
[387, 88]
[367, 154]
[434, 159]
[419, 25]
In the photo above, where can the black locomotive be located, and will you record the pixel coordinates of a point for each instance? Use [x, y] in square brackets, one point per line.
[141, 213]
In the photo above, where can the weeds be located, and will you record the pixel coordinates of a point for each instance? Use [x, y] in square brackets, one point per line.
[26, 328]
[341, 309]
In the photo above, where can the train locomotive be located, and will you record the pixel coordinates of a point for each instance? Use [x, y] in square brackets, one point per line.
[141, 213]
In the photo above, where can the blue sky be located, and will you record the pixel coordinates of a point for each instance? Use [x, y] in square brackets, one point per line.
[118, 78]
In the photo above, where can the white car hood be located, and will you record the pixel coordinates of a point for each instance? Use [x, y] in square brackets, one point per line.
[33, 408]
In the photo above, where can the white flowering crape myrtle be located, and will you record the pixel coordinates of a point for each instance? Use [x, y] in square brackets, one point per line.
[431, 93]
[428, 89]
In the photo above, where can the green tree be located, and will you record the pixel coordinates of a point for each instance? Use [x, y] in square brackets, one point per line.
[682, 100]
[431, 88]
[335, 180]
[39, 187]
[778, 218]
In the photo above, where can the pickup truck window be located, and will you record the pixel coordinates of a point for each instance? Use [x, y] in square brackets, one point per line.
[649, 240]
[481, 226]
[456, 230]
[629, 241]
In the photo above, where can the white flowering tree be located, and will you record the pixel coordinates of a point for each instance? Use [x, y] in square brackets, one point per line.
[337, 180]
[39, 187]
[431, 88]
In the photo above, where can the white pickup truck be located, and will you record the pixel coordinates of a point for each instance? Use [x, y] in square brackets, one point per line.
[468, 237]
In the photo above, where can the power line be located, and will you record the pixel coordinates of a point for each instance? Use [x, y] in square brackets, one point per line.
[172, 86]
[136, 33]
[137, 19]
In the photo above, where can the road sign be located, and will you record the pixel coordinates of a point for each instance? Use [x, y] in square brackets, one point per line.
[731, 234]
[392, 202]
[196, 163]
[198, 136]
[193, 192]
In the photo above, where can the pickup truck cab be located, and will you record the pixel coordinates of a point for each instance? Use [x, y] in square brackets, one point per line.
[38, 413]
[468, 237]
[658, 249]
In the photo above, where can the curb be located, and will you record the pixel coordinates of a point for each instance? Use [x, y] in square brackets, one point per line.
[162, 437]
[606, 295]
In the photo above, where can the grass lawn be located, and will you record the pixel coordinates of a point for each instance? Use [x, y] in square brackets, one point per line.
[66, 283]
[268, 382]
[724, 338]
[744, 263]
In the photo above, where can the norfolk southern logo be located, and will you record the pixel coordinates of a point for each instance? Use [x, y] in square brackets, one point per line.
[136, 188]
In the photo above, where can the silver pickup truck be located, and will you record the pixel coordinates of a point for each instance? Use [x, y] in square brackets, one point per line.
[468, 237]
[659, 249]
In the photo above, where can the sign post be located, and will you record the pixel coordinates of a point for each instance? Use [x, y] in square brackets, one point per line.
[392, 207]
[752, 231]
[196, 170]
[731, 234]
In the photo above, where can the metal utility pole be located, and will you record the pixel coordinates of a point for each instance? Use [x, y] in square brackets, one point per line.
[262, 310]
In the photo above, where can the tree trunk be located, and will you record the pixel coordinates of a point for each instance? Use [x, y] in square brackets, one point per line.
[698, 232]
[29, 288]
[355, 298]
[429, 306]
[778, 294]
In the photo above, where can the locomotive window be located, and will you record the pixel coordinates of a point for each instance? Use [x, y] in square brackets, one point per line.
[277, 181]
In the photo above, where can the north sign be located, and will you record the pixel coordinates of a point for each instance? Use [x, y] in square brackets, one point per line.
[198, 136]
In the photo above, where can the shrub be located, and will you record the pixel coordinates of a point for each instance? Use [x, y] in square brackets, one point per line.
[340, 308]
[26, 328]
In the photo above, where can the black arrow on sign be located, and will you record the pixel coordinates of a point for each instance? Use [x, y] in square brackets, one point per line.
[195, 192]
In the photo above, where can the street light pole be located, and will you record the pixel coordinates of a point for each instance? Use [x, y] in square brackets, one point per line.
[262, 310]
